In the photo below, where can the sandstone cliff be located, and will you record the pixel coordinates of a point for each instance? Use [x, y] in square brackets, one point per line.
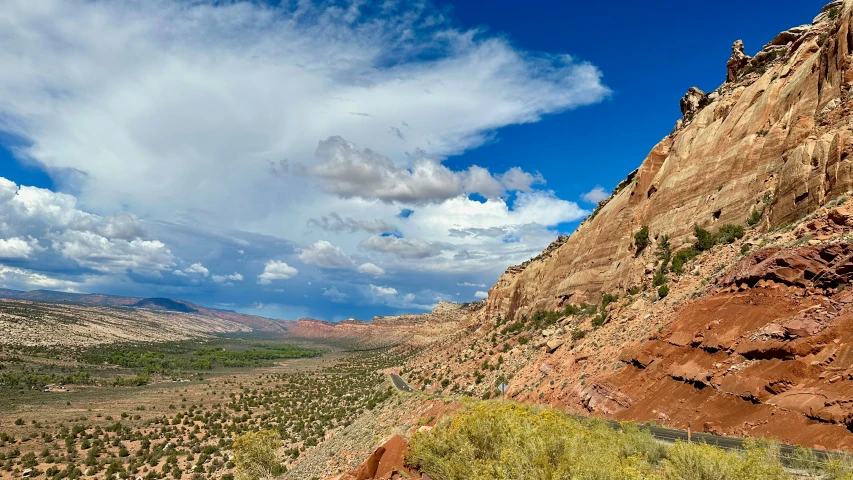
[754, 336]
[777, 130]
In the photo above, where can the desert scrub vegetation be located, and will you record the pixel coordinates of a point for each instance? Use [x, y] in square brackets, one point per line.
[641, 238]
[194, 430]
[498, 440]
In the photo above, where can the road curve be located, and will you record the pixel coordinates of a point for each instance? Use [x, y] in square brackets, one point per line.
[400, 383]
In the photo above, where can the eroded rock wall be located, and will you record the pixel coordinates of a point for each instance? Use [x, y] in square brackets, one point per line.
[775, 137]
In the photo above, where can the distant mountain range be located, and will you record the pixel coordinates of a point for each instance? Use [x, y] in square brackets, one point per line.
[160, 304]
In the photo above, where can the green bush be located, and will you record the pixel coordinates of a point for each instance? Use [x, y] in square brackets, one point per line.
[728, 233]
[255, 455]
[754, 218]
[663, 291]
[681, 257]
[705, 240]
[641, 238]
[497, 440]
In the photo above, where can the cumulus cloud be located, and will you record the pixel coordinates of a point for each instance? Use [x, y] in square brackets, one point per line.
[115, 255]
[335, 223]
[371, 269]
[333, 294]
[198, 268]
[40, 220]
[324, 254]
[26, 279]
[481, 295]
[517, 179]
[595, 195]
[351, 172]
[276, 270]
[15, 247]
[400, 247]
[383, 291]
[469, 284]
[234, 277]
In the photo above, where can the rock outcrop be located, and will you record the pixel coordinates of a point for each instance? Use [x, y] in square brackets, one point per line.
[754, 337]
[737, 62]
[776, 140]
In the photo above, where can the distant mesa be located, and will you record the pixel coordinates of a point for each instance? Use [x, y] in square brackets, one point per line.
[164, 304]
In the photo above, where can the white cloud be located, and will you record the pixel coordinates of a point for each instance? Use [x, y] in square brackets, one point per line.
[517, 179]
[383, 291]
[334, 294]
[230, 86]
[31, 219]
[114, 255]
[481, 295]
[15, 247]
[324, 254]
[234, 277]
[595, 195]
[23, 278]
[371, 269]
[198, 268]
[276, 270]
[400, 247]
[351, 172]
[469, 284]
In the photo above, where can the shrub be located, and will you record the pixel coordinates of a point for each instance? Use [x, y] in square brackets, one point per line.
[659, 278]
[703, 462]
[681, 257]
[255, 455]
[501, 441]
[704, 239]
[607, 299]
[833, 13]
[641, 238]
[728, 233]
[744, 249]
[754, 218]
[663, 291]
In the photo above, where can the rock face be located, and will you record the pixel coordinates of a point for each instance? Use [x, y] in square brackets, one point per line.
[754, 338]
[777, 140]
[384, 331]
[737, 62]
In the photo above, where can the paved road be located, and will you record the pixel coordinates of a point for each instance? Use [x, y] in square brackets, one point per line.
[671, 435]
[400, 383]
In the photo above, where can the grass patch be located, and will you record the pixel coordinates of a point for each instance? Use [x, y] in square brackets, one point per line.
[498, 440]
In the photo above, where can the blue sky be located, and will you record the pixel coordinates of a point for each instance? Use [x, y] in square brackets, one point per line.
[330, 160]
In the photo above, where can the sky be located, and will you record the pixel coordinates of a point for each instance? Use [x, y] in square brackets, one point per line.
[331, 160]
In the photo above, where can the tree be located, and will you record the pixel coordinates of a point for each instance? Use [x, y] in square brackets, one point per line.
[641, 238]
[255, 455]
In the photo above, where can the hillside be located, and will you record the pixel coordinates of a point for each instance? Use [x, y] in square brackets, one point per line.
[751, 334]
[253, 322]
[50, 324]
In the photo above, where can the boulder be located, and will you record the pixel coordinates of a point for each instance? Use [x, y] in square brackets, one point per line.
[554, 344]
[367, 470]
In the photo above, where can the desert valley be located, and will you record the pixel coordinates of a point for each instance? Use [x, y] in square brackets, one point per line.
[709, 292]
